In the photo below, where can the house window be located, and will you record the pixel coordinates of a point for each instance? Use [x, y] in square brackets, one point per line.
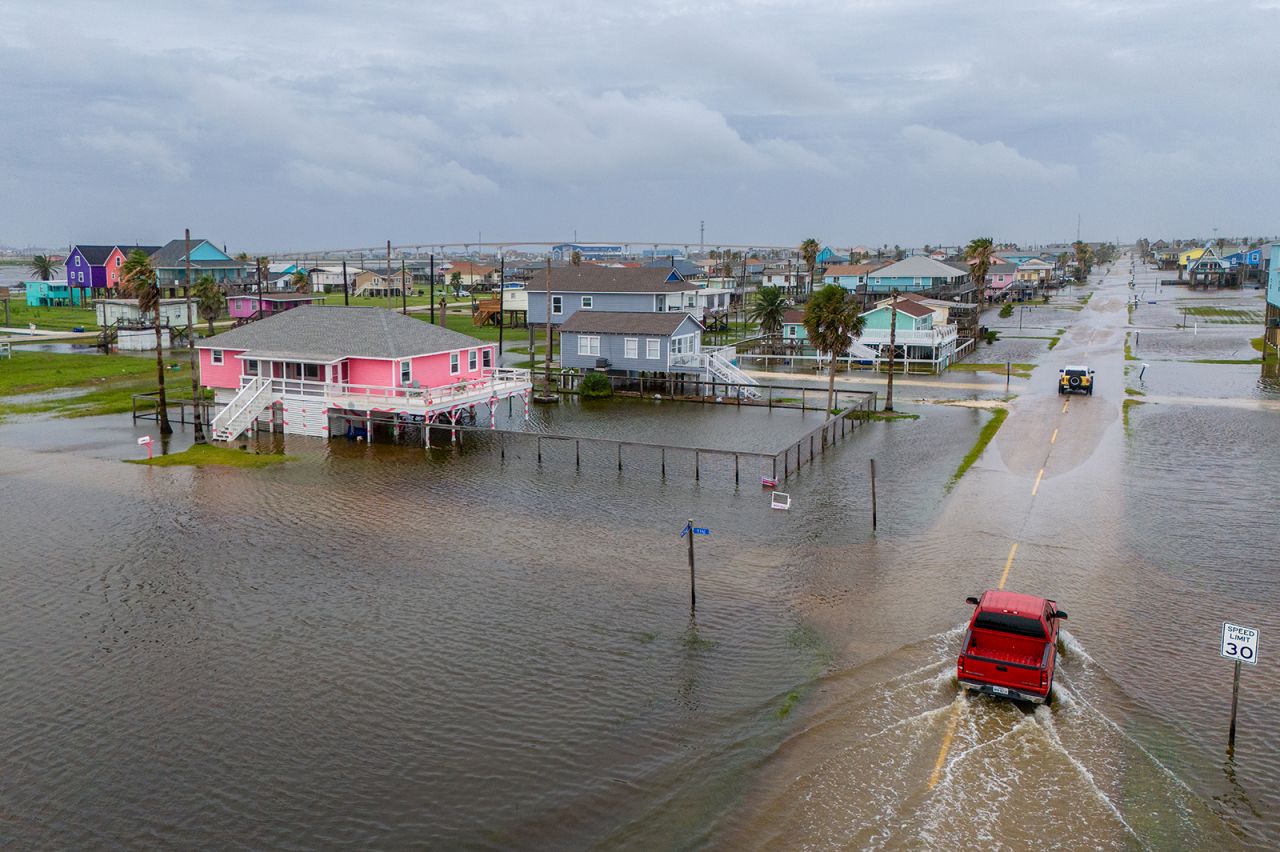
[682, 344]
[588, 345]
[77, 260]
[631, 347]
[119, 260]
[453, 363]
[652, 349]
[587, 302]
[486, 357]
[557, 305]
[405, 367]
[80, 277]
[251, 367]
[216, 357]
[471, 360]
[311, 372]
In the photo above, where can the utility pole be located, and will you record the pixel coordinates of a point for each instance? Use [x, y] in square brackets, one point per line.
[702, 236]
[548, 361]
[502, 300]
[191, 345]
[387, 280]
[431, 285]
[346, 300]
[893, 336]
[404, 290]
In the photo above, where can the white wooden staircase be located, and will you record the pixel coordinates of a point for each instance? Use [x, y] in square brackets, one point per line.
[243, 409]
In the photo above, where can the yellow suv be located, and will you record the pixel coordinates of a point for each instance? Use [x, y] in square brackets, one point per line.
[1075, 380]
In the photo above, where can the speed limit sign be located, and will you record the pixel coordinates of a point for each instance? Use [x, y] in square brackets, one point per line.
[1239, 643]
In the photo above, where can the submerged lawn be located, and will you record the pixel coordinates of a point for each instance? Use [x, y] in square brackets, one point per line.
[100, 384]
[984, 437]
[210, 454]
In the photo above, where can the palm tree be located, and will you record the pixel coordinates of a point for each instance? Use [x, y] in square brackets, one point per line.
[832, 320]
[768, 308]
[576, 258]
[298, 281]
[210, 300]
[1082, 259]
[43, 267]
[979, 253]
[893, 346]
[139, 279]
[809, 251]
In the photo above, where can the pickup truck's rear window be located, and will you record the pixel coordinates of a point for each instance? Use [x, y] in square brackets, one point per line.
[1018, 625]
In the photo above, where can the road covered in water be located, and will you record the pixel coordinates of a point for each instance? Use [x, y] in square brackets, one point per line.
[1146, 520]
[381, 645]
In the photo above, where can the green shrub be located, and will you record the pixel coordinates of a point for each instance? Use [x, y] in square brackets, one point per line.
[991, 336]
[595, 386]
[1006, 312]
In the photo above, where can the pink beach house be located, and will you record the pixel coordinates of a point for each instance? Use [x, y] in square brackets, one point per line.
[246, 305]
[316, 368]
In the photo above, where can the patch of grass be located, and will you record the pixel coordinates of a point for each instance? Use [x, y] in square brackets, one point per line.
[1006, 312]
[1224, 316]
[1134, 392]
[54, 319]
[1125, 408]
[107, 382]
[209, 454]
[1257, 343]
[788, 704]
[1053, 341]
[884, 416]
[1021, 370]
[1084, 300]
[1128, 350]
[1227, 361]
[984, 438]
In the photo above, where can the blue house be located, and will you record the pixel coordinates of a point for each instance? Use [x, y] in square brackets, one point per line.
[47, 294]
[630, 343]
[1272, 333]
[599, 288]
[170, 262]
[916, 274]
[828, 255]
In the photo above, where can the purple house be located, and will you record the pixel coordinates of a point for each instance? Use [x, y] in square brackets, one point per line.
[245, 306]
[99, 267]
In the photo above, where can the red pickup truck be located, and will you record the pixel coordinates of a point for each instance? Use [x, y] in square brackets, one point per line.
[1011, 646]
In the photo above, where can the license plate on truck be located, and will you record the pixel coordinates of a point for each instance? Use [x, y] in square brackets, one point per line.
[1000, 690]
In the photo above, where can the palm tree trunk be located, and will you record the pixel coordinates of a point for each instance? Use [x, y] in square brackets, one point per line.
[165, 428]
[831, 383]
[210, 321]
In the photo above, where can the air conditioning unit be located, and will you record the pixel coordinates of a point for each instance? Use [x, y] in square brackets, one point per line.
[602, 363]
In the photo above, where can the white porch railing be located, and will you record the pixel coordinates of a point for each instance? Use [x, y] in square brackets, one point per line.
[714, 364]
[905, 337]
[254, 396]
[495, 382]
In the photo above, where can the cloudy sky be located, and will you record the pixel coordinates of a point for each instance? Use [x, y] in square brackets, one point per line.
[276, 125]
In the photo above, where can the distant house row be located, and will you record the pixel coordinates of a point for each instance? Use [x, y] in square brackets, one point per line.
[100, 267]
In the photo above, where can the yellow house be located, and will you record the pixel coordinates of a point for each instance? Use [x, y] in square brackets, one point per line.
[1190, 256]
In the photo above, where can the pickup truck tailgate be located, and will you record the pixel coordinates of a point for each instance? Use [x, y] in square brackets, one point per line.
[1004, 660]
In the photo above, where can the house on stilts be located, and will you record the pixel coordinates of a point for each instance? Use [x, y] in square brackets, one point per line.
[321, 370]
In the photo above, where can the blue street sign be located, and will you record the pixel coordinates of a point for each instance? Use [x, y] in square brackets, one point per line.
[701, 531]
[684, 531]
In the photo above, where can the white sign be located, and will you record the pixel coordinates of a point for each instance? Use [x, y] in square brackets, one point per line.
[144, 440]
[1239, 643]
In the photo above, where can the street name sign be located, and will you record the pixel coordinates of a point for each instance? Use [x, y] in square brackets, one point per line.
[1239, 643]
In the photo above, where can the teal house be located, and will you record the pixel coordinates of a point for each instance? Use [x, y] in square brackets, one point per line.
[793, 330]
[170, 262]
[48, 294]
[828, 255]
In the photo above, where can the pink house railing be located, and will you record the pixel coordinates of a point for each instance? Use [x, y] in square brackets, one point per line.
[494, 382]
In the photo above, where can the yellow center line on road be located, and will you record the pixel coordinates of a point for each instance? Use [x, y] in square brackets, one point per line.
[1036, 487]
[1008, 563]
[936, 775]
[1053, 439]
[1064, 406]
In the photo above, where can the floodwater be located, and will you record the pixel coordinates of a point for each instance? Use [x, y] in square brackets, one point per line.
[404, 647]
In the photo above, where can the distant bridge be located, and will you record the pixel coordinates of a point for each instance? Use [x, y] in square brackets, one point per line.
[375, 252]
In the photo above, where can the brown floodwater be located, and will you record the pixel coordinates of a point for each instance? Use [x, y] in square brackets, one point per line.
[382, 645]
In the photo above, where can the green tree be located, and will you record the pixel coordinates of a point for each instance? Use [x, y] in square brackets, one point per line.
[1083, 259]
[768, 308]
[139, 280]
[298, 281]
[210, 300]
[43, 267]
[576, 258]
[455, 282]
[809, 251]
[832, 320]
[979, 253]
[898, 253]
